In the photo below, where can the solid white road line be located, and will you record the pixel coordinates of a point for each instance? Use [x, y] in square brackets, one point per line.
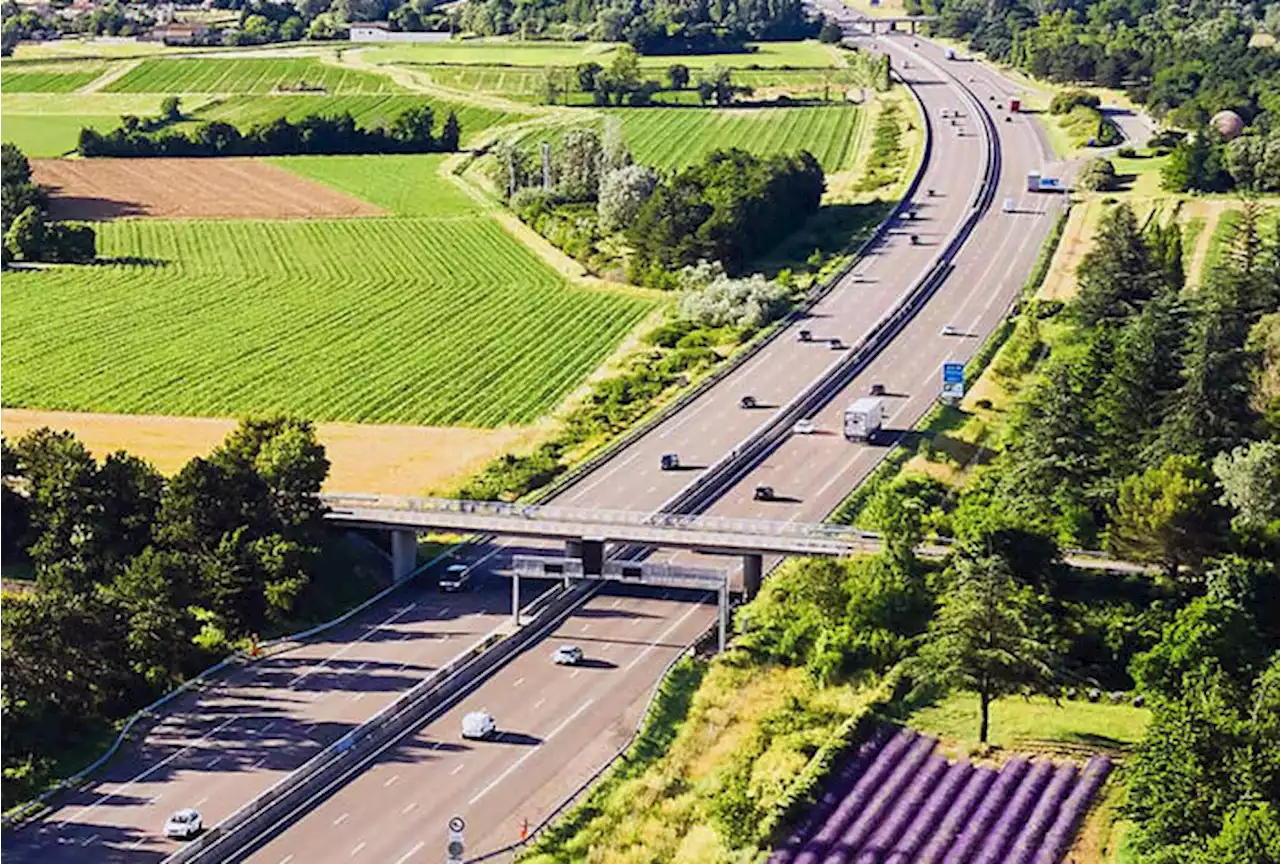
[349, 645]
[666, 633]
[515, 765]
[414, 851]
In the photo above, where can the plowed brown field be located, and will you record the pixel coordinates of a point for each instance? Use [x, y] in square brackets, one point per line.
[224, 188]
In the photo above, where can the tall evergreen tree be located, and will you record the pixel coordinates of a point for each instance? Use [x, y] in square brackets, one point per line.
[1120, 273]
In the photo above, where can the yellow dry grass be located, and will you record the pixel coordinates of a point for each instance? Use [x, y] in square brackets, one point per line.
[393, 460]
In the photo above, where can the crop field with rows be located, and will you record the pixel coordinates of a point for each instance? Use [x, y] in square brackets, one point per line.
[404, 184]
[49, 77]
[419, 321]
[369, 110]
[676, 137]
[898, 800]
[493, 52]
[246, 75]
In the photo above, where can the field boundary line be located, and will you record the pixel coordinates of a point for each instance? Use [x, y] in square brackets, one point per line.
[413, 80]
[109, 76]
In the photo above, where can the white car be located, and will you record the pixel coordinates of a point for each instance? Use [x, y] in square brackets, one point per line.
[950, 330]
[804, 427]
[456, 577]
[567, 655]
[478, 725]
[184, 824]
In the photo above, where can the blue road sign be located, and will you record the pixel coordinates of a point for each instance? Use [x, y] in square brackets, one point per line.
[952, 373]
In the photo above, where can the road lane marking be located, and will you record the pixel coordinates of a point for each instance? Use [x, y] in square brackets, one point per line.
[614, 604]
[89, 840]
[444, 610]
[518, 682]
[202, 800]
[515, 765]
[391, 781]
[456, 770]
[666, 633]
[268, 726]
[344, 649]
[214, 761]
[414, 851]
[356, 850]
[575, 673]
[538, 704]
[586, 627]
[409, 807]
[149, 771]
[341, 819]
[286, 859]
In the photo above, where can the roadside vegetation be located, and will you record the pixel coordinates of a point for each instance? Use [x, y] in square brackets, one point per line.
[141, 582]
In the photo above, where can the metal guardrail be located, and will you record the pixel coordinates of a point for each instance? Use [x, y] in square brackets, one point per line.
[340, 759]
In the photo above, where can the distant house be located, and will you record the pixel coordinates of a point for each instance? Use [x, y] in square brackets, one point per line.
[380, 31]
[179, 33]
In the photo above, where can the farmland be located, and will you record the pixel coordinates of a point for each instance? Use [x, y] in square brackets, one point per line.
[368, 110]
[49, 124]
[898, 799]
[51, 135]
[406, 185]
[496, 52]
[360, 320]
[50, 78]
[246, 75]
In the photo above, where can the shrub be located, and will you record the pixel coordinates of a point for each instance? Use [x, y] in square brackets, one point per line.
[1127, 153]
[1098, 175]
[1066, 101]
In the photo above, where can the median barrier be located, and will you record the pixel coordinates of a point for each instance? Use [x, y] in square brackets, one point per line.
[335, 764]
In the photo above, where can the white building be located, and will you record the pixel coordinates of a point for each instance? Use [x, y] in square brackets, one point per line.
[378, 31]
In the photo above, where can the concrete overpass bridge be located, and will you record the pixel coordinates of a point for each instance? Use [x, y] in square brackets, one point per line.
[587, 531]
[891, 23]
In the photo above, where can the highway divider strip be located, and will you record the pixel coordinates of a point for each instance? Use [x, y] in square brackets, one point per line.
[332, 767]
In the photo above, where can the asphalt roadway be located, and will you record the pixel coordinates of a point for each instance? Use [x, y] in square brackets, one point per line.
[562, 727]
[216, 750]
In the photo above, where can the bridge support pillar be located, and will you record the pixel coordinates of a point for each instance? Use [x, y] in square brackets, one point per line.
[913, 28]
[404, 554]
[572, 549]
[752, 570]
[592, 556]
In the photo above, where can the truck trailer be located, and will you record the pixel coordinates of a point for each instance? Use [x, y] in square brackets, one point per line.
[1037, 182]
[864, 419]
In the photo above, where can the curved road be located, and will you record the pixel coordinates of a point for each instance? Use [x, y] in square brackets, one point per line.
[222, 747]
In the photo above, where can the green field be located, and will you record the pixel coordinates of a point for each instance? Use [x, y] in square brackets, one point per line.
[431, 321]
[368, 110]
[49, 77]
[246, 75]
[45, 136]
[1015, 721]
[539, 54]
[406, 185]
[529, 84]
[676, 137]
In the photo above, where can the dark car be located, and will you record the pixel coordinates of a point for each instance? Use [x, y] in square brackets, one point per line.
[877, 389]
[670, 461]
[764, 493]
[747, 402]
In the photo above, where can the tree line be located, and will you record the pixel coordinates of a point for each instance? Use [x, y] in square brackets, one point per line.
[1183, 61]
[29, 234]
[141, 581]
[410, 131]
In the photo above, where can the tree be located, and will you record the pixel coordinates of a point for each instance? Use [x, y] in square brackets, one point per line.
[1206, 638]
[1163, 514]
[413, 126]
[1119, 274]
[1098, 175]
[1250, 833]
[1250, 479]
[153, 594]
[171, 109]
[830, 33]
[1262, 348]
[624, 71]
[980, 638]
[678, 75]
[551, 84]
[622, 194]
[451, 134]
[26, 238]
[587, 73]
[706, 89]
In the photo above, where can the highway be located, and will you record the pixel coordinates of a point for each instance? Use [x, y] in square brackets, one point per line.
[572, 731]
[559, 726]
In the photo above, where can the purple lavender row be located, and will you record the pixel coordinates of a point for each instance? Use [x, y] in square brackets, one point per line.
[1059, 838]
[1050, 804]
[973, 793]
[904, 811]
[853, 837]
[836, 787]
[853, 803]
[932, 812]
[1006, 828]
[967, 843]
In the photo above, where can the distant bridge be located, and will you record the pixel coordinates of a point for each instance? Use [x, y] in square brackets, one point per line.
[585, 531]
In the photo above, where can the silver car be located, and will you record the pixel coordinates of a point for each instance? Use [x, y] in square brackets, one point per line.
[184, 824]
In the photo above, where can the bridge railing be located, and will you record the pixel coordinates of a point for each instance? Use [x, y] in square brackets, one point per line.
[358, 505]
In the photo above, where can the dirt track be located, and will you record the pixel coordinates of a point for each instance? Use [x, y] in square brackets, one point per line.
[223, 188]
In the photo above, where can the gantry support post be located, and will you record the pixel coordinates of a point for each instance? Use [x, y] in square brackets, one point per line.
[515, 599]
[752, 570]
[724, 614]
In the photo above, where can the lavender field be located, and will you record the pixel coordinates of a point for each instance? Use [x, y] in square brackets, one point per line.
[897, 801]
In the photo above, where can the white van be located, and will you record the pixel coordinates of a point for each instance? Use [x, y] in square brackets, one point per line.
[478, 725]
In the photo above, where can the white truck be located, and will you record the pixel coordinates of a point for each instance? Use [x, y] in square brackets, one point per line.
[1037, 182]
[864, 419]
[950, 54]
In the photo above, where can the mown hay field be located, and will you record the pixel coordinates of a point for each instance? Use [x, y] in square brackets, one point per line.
[369, 110]
[246, 75]
[422, 321]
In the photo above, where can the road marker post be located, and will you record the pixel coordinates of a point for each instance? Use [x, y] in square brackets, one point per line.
[456, 845]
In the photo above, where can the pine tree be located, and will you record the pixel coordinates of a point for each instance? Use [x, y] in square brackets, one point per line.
[1120, 273]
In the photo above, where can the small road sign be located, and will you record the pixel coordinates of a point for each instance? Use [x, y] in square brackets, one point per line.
[952, 373]
[456, 846]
